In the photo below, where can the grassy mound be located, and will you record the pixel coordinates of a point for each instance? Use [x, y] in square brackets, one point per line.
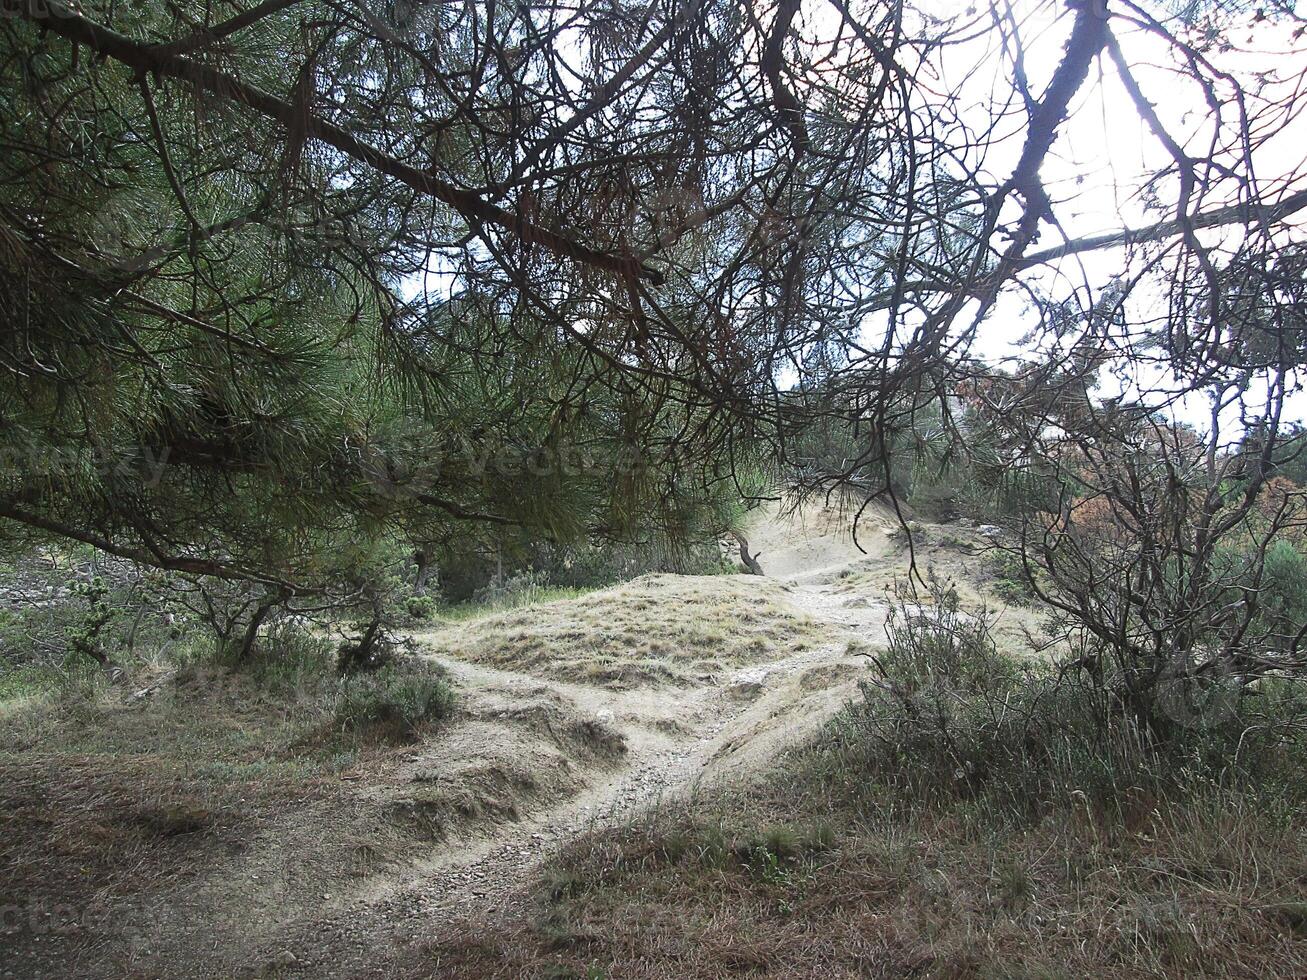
[657, 628]
[968, 815]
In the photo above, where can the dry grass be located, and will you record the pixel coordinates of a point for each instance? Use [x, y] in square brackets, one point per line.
[963, 557]
[986, 821]
[655, 629]
[138, 823]
[284, 720]
[1209, 888]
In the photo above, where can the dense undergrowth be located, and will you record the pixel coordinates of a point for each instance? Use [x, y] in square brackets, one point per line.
[278, 717]
[969, 814]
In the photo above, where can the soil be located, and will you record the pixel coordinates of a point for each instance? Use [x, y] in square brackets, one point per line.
[454, 833]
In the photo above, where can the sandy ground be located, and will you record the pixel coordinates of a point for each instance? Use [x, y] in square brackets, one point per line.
[679, 742]
[536, 759]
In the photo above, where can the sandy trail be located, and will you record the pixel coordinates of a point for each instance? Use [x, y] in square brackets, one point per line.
[677, 742]
[571, 717]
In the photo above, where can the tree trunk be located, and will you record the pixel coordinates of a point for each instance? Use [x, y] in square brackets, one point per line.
[252, 628]
[96, 653]
[358, 656]
[423, 562]
[750, 561]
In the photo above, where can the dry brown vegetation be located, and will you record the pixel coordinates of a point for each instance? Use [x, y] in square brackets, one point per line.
[765, 886]
[231, 818]
[676, 629]
[198, 827]
[224, 803]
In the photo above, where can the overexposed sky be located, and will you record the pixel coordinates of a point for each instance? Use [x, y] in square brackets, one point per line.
[1105, 155]
[1101, 172]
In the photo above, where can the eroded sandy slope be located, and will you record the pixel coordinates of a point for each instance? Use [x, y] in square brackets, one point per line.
[572, 715]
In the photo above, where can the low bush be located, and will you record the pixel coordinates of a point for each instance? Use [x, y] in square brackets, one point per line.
[59, 609]
[1009, 580]
[288, 660]
[420, 608]
[393, 704]
[932, 641]
[949, 718]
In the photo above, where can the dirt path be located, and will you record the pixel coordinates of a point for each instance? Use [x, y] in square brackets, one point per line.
[598, 709]
[676, 743]
[752, 707]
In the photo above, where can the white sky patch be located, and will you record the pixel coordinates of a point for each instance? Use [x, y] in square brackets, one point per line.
[1100, 166]
[1099, 170]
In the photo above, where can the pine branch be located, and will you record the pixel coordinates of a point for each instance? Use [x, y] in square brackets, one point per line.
[161, 62]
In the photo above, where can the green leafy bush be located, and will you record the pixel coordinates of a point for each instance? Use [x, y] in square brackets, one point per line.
[1284, 591]
[932, 641]
[420, 608]
[392, 704]
[1009, 582]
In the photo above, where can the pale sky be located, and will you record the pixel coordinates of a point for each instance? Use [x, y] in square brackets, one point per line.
[1105, 151]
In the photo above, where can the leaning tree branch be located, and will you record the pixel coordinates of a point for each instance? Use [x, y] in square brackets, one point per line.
[203, 37]
[161, 62]
[1244, 213]
[604, 95]
[1247, 213]
[212, 568]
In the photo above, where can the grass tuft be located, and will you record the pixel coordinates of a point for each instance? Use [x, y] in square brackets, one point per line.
[391, 705]
[655, 629]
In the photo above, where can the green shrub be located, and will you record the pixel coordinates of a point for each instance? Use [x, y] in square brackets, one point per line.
[934, 641]
[1284, 591]
[391, 704]
[290, 659]
[948, 719]
[1009, 581]
[420, 608]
